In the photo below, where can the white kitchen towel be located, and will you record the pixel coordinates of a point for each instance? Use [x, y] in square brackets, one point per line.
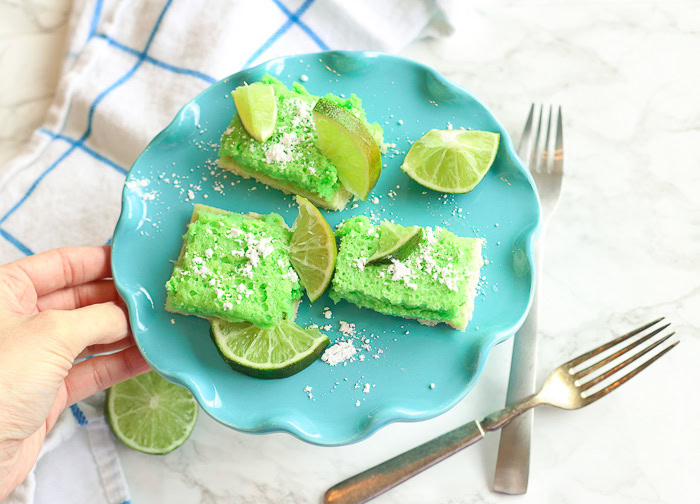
[129, 67]
[78, 462]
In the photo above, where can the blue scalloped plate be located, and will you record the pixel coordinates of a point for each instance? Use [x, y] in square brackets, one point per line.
[409, 357]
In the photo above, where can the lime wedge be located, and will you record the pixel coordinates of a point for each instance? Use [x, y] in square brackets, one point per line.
[312, 249]
[277, 353]
[396, 242]
[149, 414]
[451, 161]
[346, 141]
[257, 107]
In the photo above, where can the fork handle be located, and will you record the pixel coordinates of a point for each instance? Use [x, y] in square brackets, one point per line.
[380, 478]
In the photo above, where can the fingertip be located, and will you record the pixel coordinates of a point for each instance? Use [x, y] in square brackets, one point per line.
[101, 323]
[100, 373]
[136, 362]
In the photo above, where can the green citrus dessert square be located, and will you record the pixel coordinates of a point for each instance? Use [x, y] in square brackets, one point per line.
[235, 267]
[436, 282]
[289, 159]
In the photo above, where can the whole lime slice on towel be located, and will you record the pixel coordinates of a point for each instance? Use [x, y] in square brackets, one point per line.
[451, 161]
[312, 249]
[150, 414]
[277, 353]
[396, 242]
[257, 107]
[346, 141]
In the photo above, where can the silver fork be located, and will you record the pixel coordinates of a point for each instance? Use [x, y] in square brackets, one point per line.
[546, 164]
[570, 386]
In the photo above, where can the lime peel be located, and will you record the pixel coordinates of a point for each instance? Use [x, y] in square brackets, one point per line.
[278, 353]
[312, 249]
[257, 107]
[396, 242]
[346, 141]
[151, 415]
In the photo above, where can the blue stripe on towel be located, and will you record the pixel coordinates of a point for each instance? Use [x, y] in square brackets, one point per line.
[95, 20]
[181, 70]
[159, 63]
[85, 149]
[36, 183]
[118, 45]
[294, 16]
[14, 241]
[78, 415]
[91, 112]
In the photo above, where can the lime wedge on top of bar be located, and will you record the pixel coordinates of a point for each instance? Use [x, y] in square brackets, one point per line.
[346, 141]
[257, 107]
[396, 242]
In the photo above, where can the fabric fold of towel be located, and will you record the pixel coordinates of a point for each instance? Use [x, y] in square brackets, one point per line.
[128, 68]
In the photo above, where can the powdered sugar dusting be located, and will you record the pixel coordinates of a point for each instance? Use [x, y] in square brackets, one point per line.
[277, 153]
[338, 353]
[400, 272]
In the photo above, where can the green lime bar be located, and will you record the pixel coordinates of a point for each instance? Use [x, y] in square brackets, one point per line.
[436, 282]
[235, 267]
[289, 159]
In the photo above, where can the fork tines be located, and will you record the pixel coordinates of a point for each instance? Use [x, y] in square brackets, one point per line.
[603, 363]
[550, 157]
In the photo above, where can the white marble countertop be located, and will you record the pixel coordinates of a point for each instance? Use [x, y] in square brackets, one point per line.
[622, 249]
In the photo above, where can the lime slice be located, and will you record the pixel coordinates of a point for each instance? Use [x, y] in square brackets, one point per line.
[257, 107]
[451, 161]
[312, 249]
[396, 242]
[149, 414]
[346, 141]
[277, 353]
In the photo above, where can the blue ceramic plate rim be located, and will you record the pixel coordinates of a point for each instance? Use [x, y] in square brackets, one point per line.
[387, 415]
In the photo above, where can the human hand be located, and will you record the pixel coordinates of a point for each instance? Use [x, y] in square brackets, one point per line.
[56, 307]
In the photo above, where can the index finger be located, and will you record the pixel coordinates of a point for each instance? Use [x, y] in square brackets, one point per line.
[65, 267]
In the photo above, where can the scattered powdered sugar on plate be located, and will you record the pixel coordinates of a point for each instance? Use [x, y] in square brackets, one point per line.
[347, 329]
[344, 350]
[338, 353]
[354, 345]
[137, 185]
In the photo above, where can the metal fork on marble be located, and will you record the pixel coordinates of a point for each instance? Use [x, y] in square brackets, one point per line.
[573, 385]
[545, 160]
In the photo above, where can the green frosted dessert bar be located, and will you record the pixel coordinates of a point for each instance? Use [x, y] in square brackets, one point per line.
[435, 283]
[235, 267]
[289, 160]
